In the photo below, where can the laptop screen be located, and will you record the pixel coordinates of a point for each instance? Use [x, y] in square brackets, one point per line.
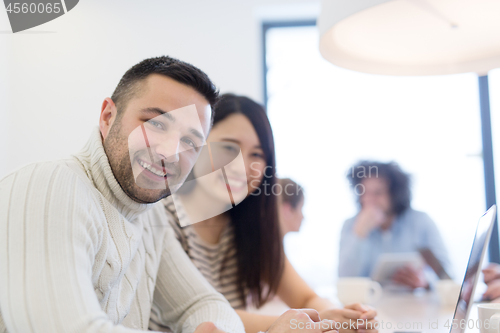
[479, 246]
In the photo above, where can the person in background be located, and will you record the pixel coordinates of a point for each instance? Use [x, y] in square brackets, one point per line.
[291, 202]
[492, 280]
[386, 223]
[240, 251]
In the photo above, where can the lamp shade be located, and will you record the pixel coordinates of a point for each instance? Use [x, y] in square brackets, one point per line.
[411, 37]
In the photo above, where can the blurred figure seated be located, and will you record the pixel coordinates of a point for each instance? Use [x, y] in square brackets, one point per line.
[386, 223]
[291, 201]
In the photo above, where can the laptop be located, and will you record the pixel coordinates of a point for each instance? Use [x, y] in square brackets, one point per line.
[471, 278]
[478, 251]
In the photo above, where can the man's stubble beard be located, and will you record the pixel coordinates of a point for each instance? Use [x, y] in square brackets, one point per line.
[116, 148]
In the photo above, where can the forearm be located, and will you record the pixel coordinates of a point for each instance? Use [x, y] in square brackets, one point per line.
[254, 322]
[319, 304]
[183, 298]
[360, 230]
[211, 308]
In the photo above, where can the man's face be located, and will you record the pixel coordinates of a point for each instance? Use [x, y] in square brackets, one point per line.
[154, 143]
[376, 193]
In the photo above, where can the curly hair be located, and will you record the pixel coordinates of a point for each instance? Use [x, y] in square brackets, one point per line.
[399, 181]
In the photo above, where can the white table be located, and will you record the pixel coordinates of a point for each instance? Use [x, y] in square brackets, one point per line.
[414, 312]
[419, 311]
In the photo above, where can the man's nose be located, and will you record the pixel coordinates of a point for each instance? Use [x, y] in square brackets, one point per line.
[168, 149]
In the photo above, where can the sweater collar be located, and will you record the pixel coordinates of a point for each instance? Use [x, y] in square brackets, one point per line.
[96, 164]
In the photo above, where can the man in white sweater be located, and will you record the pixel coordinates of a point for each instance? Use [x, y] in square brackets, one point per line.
[82, 246]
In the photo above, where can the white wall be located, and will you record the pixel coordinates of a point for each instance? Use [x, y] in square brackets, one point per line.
[54, 77]
[4, 94]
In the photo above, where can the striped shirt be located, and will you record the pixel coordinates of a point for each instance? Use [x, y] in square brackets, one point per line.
[216, 262]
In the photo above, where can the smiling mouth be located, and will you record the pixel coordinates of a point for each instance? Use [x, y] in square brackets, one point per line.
[237, 184]
[154, 170]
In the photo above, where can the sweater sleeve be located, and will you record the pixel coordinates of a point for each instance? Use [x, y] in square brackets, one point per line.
[48, 240]
[183, 299]
[353, 252]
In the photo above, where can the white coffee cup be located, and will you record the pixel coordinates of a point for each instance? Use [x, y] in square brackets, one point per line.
[447, 291]
[358, 290]
[489, 317]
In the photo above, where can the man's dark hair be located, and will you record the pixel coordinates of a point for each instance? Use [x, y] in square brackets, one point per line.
[397, 179]
[175, 69]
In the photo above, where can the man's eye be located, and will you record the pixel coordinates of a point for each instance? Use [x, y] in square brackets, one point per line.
[190, 142]
[156, 124]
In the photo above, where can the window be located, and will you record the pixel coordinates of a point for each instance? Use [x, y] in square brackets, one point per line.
[327, 118]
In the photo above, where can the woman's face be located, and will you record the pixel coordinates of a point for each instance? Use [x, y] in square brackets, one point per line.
[227, 138]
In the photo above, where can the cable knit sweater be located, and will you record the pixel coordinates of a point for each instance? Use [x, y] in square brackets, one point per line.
[78, 255]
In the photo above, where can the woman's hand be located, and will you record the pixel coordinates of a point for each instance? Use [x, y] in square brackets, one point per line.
[352, 318]
[370, 217]
[491, 272]
[493, 290]
[302, 320]
[411, 277]
[207, 327]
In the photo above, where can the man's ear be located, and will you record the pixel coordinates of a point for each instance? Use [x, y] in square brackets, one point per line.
[108, 116]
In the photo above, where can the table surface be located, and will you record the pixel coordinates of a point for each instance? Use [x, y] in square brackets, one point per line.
[417, 312]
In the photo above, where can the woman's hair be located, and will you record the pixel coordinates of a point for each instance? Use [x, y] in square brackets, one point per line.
[291, 192]
[258, 242]
[397, 179]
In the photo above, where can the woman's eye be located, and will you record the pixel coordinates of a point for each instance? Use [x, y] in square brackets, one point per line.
[229, 148]
[258, 155]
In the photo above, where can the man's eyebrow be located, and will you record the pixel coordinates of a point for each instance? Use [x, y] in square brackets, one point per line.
[159, 112]
[197, 134]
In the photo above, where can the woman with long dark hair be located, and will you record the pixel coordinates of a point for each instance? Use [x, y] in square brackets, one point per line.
[240, 251]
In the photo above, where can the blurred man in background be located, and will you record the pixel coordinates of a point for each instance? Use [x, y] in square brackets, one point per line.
[291, 202]
[386, 223]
